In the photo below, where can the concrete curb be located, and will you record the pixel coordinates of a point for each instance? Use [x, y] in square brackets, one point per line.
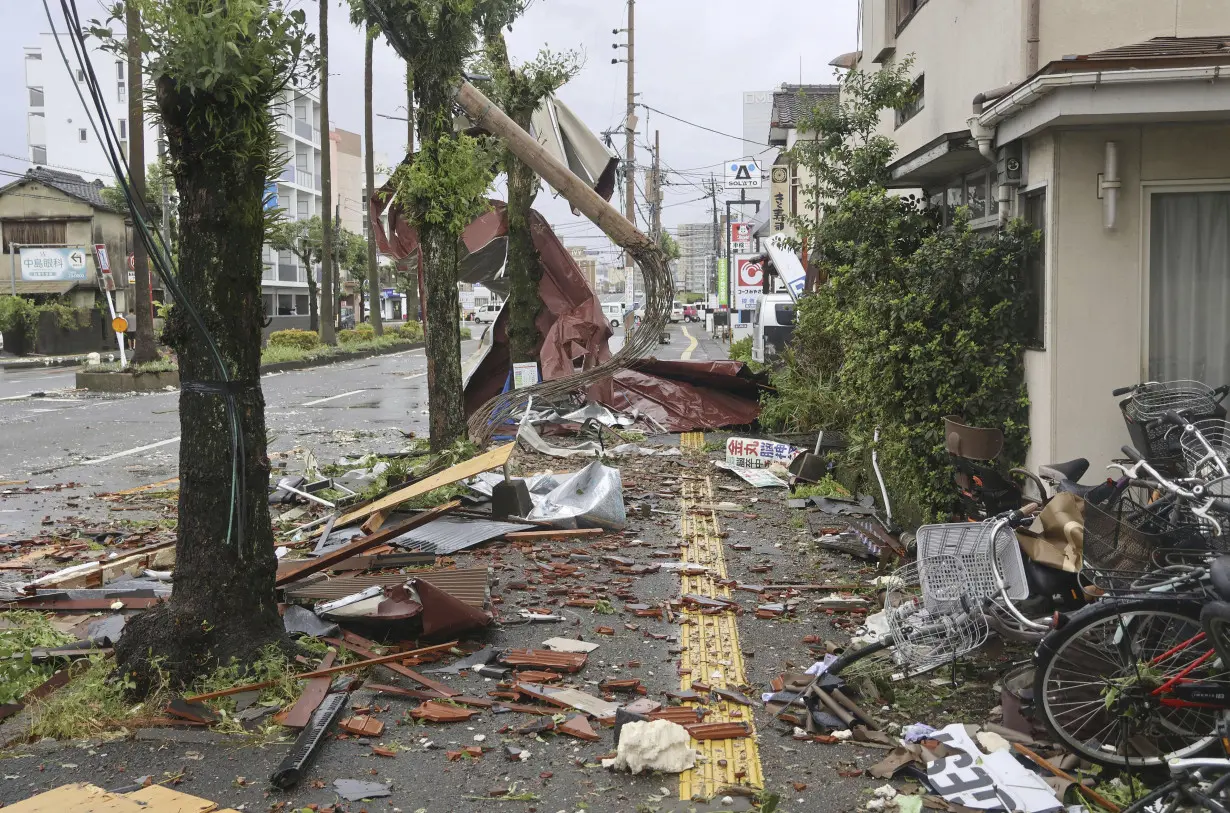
[163, 379]
[54, 361]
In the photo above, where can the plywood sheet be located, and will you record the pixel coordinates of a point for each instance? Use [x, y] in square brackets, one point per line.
[162, 799]
[79, 798]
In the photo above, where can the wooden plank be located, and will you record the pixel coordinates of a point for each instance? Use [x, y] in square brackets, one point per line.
[563, 533]
[139, 489]
[81, 796]
[300, 714]
[436, 686]
[328, 560]
[493, 459]
[333, 670]
[375, 521]
[167, 800]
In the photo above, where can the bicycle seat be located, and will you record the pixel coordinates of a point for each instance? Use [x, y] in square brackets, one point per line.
[1219, 571]
[1071, 470]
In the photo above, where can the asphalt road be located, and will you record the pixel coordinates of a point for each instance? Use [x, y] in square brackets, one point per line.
[51, 435]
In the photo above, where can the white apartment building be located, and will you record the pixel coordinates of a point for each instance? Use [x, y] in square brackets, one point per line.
[697, 261]
[1104, 123]
[59, 135]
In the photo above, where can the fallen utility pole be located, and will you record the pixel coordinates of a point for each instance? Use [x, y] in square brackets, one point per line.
[333, 670]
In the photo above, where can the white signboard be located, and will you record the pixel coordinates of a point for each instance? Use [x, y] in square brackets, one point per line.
[525, 374]
[986, 781]
[749, 275]
[56, 264]
[467, 300]
[761, 478]
[753, 453]
[743, 174]
[740, 238]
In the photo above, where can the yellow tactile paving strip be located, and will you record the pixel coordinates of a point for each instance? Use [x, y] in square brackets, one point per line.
[711, 652]
[692, 440]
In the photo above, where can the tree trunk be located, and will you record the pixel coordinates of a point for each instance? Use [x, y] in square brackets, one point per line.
[524, 266]
[222, 605]
[313, 302]
[369, 171]
[443, 304]
[409, 110]
[328, 297]
[146, 349]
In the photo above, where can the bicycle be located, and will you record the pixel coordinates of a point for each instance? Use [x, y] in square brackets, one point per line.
[1191, 781]
[1142, 676]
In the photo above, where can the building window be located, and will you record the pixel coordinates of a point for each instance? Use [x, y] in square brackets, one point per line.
[911, 109]
[1189, 282]
[121, 92]
[267, 299]
[906, 10]
[36, 97]
[33, 55]
[34, 233]
[38, 154]
[975, 191]
[124, 149]
[80, 75]
[976, 196]
[286, 305]
[120, 69]
[301, 304]
[82, 135]
[123, 128]
[1033, 210]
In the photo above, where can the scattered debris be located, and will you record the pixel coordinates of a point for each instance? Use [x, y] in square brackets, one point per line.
[656, 745]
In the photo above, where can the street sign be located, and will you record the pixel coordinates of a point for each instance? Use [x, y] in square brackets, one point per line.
[740, 238]
[749, 275]
[52, 264]
[132, 262]
[743, 174]
[723, 283]
[779, 177]
[104, 268]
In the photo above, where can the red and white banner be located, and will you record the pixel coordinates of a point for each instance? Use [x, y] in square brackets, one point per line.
[749, 275]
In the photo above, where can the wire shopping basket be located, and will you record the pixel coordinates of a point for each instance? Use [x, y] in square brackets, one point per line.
[1206, 451]
[1128, 551]
[1160, 443]
[972, 543]
[931, 614]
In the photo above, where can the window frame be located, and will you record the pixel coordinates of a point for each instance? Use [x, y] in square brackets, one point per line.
[83, 135]
[1147, 190]
[901, 115]
[1037, 341]
[904, 19]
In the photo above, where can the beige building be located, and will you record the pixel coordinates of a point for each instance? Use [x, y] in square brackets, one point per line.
[47, 207]
[1105, 123]
[346, 153]
[588, 265]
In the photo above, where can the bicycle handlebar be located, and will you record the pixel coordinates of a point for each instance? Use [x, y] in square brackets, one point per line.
[1131, 454]
[1117, 391]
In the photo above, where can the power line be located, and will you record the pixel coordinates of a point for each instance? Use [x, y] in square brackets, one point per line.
[707, 129]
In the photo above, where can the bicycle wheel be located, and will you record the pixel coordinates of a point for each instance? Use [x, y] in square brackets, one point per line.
[873, 660]
[1097, 676]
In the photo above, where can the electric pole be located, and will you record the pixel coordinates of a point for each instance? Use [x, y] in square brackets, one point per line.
[655, 204]
[717, 234]
[629, 143]
[142, 303]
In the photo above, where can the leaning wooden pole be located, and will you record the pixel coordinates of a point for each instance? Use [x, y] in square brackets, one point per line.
[659, 284]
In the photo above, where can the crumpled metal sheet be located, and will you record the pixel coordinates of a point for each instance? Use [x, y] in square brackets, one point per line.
[593, 497]
[680, 395]
[589, 448]
[451, 534]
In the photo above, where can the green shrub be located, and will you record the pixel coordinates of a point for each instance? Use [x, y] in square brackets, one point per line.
[365, 330]
[411, 330]
[300, 339]
[349, 337]
[916, 322]
[742, 349]
[18, 315]
[465, 334]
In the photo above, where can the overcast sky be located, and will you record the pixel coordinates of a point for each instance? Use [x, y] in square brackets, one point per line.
[694, 60]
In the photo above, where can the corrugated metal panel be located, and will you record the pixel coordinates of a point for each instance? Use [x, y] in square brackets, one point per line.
[451, 534]
[469, 585]
[1165, 47]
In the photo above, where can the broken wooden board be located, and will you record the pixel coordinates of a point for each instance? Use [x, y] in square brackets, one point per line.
[493, 459]
[83, 796]
[95, 574]
[162, 799]
[366, 543]
[300, 714]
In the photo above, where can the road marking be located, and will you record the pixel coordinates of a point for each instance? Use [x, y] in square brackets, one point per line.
[15, 397]
[128, 452]
[710, 649]
[416, 375]
[333, 397]
[687, 354]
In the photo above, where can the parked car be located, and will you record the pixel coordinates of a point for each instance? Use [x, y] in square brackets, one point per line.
[614, 312]
[691, 313]
[676, 312]
[487, 313]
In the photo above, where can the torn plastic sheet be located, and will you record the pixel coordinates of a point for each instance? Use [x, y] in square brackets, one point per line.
[593, 497]
[986, 781]
[590, 448]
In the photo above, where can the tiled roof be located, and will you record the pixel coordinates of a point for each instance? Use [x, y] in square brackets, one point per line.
[791, 102]
[1151, 53]
[70, 184]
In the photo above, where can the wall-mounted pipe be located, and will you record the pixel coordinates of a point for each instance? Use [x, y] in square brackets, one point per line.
[1033, 25]
[1109, 185]
[991, 95]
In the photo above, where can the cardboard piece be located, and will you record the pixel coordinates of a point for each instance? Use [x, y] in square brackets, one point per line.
[1060, 542]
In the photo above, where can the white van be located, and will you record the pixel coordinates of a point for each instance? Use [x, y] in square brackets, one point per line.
[487, 313]
[614, 312]
[772, 326]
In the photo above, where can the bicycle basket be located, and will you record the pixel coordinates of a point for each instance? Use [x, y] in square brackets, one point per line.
[931, 614]
[1160, 444]
[1206, 451]
[971, 541]
[1122, 558]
